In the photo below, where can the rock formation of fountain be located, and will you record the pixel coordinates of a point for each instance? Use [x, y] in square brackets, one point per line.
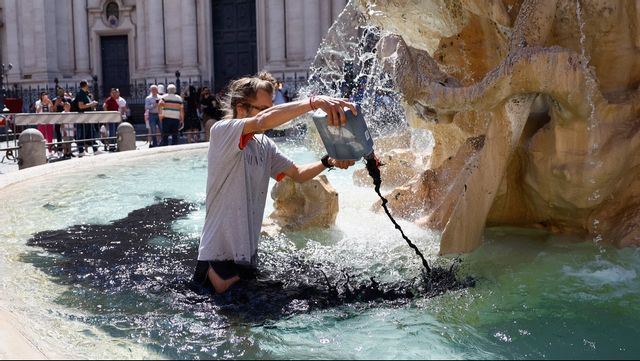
[533, 105]
[302, 205]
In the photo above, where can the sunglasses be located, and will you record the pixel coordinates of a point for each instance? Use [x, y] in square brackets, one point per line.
[259, 109]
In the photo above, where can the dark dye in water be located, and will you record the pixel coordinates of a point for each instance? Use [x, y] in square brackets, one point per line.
[133, 276]
[438, 280]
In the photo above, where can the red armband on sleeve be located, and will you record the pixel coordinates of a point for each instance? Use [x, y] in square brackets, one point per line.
[280, 176]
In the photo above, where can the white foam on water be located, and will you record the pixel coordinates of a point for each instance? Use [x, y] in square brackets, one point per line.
[601, 273]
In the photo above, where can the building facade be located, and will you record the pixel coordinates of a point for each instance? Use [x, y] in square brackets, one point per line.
[120, 43]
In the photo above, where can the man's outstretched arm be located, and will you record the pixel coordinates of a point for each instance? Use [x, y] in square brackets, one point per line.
[303, 173]
[281, 114]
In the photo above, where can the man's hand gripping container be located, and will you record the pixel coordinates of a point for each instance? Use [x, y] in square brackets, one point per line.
[349, 142]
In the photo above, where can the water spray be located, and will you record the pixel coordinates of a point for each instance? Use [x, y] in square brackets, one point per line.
[373, 167]
[353, 142]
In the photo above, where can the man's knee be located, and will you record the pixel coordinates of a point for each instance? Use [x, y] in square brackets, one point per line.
[220, 285]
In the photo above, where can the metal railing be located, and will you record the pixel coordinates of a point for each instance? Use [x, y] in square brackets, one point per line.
[136, 91]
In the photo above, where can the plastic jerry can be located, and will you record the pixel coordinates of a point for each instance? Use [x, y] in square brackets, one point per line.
[349, 142]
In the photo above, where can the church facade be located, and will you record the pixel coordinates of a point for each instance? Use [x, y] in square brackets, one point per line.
[122, 42]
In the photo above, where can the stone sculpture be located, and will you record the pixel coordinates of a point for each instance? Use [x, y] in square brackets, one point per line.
[534, 108]
[299, 206]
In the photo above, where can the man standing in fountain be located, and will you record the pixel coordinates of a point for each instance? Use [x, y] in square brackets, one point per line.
[240, 162]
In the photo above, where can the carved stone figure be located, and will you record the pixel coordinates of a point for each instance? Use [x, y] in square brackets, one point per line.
[534, 108]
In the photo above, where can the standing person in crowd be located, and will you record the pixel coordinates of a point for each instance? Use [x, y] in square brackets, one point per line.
[210, 106]
[211, 109]
[278, 94]
[122, 106]
[151, 108]
[171, 115]
[287, 92]
[192, 121]
[84, 104]
[58, 107]
[124, 113]
[68, 132]
[148, 127]
[241, 160]
[112, 103]
[45, 105]
[96, 127]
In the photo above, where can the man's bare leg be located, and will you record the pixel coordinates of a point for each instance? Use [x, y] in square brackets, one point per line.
[219, 284]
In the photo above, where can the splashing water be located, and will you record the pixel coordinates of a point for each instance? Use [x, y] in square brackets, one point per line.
[347, 66]
[438, 280]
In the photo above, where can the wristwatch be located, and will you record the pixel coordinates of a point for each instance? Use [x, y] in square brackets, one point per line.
[325, 162]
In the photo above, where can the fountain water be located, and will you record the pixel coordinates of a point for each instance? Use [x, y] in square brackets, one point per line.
[131, 299]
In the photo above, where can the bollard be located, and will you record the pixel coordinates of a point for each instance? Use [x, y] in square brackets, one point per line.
[33, 149]
[126, 137]
[207, 128]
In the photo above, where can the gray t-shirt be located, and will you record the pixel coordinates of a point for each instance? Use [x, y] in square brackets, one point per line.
[237, 186]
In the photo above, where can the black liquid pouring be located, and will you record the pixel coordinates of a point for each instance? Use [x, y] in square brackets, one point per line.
[373, 167]
[352, 142]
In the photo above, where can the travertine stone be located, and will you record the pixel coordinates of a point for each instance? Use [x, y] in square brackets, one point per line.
[126, 137]
[551, 88]
[300, 206]
[33, 150]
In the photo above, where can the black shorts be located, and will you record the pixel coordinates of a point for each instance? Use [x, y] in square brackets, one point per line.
[224, 269]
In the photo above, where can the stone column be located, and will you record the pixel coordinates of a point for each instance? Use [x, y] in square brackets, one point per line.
[63, 37]
[39, 22]
[155, 36]
[275, 33]
[189, 38]
[140, 33]
[11, 31]
[81, 37]
[311, 29]
[172, 35]
[27, 36]
[295, 27]
[325, 16]
[49, 63]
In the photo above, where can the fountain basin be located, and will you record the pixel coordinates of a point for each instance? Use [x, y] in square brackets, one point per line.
[528, 281]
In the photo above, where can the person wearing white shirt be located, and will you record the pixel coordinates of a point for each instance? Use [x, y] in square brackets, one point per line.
[68, 131]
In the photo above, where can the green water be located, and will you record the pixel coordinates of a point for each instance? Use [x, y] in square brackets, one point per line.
[537, 295]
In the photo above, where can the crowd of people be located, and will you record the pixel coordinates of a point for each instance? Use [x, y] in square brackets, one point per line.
[85, 135]
[167, 115]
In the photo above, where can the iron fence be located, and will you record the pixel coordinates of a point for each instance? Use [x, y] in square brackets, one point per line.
[137, 90]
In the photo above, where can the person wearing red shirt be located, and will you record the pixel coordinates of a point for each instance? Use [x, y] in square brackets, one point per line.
[111, 104]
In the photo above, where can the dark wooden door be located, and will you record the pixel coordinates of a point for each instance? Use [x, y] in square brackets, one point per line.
[115, 65]
[234, 40]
